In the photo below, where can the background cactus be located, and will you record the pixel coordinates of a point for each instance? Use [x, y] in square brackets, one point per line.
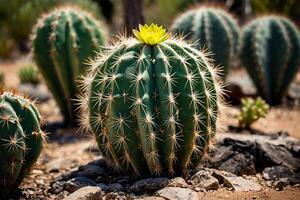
[252, 110]
[152, 103]
[29, 74]
[2, 79]
[271, 55]
[21, 140]
[211, 28]
[63, 40]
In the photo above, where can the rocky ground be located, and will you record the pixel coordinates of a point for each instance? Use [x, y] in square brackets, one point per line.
[262, 163]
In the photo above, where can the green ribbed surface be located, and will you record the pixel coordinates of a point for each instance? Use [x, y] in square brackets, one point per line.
[271, 55]
[21, 140]
[153, 109]
[63, 41]
[213, 29]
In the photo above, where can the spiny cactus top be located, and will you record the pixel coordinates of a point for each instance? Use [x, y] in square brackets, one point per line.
[21, 140]
[211, 28]
[152, 102]
[63, 40]
[271, 55]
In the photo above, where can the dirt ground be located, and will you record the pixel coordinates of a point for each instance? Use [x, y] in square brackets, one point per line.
[73, 154]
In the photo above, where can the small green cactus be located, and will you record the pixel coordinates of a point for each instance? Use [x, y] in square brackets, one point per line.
[62, 42]
[251, 111]
[152, 103]
[211, 28]
[270, 53]
[21, 140]
[29, 74]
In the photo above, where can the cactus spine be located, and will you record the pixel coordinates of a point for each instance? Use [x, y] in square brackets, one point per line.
[152, 103]
[21, 140]
[211, 28]
[62, 41]
[270, 53]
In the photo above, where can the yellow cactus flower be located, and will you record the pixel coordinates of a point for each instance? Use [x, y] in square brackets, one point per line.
[151, 35]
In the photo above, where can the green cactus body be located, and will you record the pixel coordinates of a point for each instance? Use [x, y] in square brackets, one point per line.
[213, 29]
[152, 108]
[63, 41]
[21, 140]
[270, 53]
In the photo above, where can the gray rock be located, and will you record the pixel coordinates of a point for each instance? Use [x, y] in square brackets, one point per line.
[204, 179]
[86, 193]
[90, 170]
[114, 187]
[220, 155]
[276, 172]
[239, 164]
[238, 183]
[178, 182]
[57, 187]
[175, 193]
[150, 184]
[78, 182]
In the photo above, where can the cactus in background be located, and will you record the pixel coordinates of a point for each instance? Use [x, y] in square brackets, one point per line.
[63, 40]
[152, 103]
[211, 28]
[2, 79]
[271, 55]
[29, 74]
[251, 111]
[21, 140]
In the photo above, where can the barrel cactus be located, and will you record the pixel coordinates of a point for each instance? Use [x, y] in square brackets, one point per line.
[271, 55]
[213, 29]
[21, 140]
[62, 42]
[152, 103]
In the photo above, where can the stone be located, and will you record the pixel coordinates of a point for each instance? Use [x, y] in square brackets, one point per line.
[150, 198]
[220, 155]
[238, 183]
[114, 187]
[178, 182]
[56, 187]
[204, 179]
[90, 170]
[276, 172]
[176, 193]
[78, 182]
[149, 184]
[239, 164]
[86, 193]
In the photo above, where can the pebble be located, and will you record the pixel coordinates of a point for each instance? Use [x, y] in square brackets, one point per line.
[176, 193]
[86, 193]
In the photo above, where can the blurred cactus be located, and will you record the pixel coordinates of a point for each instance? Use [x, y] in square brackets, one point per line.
[251, 111]
[211, 28]
[63, 40]
[152, 103]
[2, 79]
[270, 53]
[29, 74]
[21, 140]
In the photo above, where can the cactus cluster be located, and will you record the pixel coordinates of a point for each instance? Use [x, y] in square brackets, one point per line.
[21, 140]
[62, 42]
[213, 29]
[270, 53]
[252, 110]
[152, 103]
[29, 74]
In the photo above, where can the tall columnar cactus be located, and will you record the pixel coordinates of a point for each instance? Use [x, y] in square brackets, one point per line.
[63, 40]
[213, 29]
[21, 140]
[271, 55]
[152, 103]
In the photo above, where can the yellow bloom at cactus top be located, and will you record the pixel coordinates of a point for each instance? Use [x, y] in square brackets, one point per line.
[151, 35]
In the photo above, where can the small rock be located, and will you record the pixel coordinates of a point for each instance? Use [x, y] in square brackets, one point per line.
[204, 179]
[281, 183]
[221, 154]
[178, 182]
[86, 193]
[114, 187]
[112, 196]
[78, 182]
[239, 164]
[175, 193]
[90, 170]
[57, 187]
[151, 198]
[150, 184]
[275, 172]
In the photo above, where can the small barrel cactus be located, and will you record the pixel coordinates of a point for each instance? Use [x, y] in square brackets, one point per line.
[271, 55]
[152, 103]
[21, 140]
[211, 28]
[62, 42]
[252, 110]
[29, 74]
